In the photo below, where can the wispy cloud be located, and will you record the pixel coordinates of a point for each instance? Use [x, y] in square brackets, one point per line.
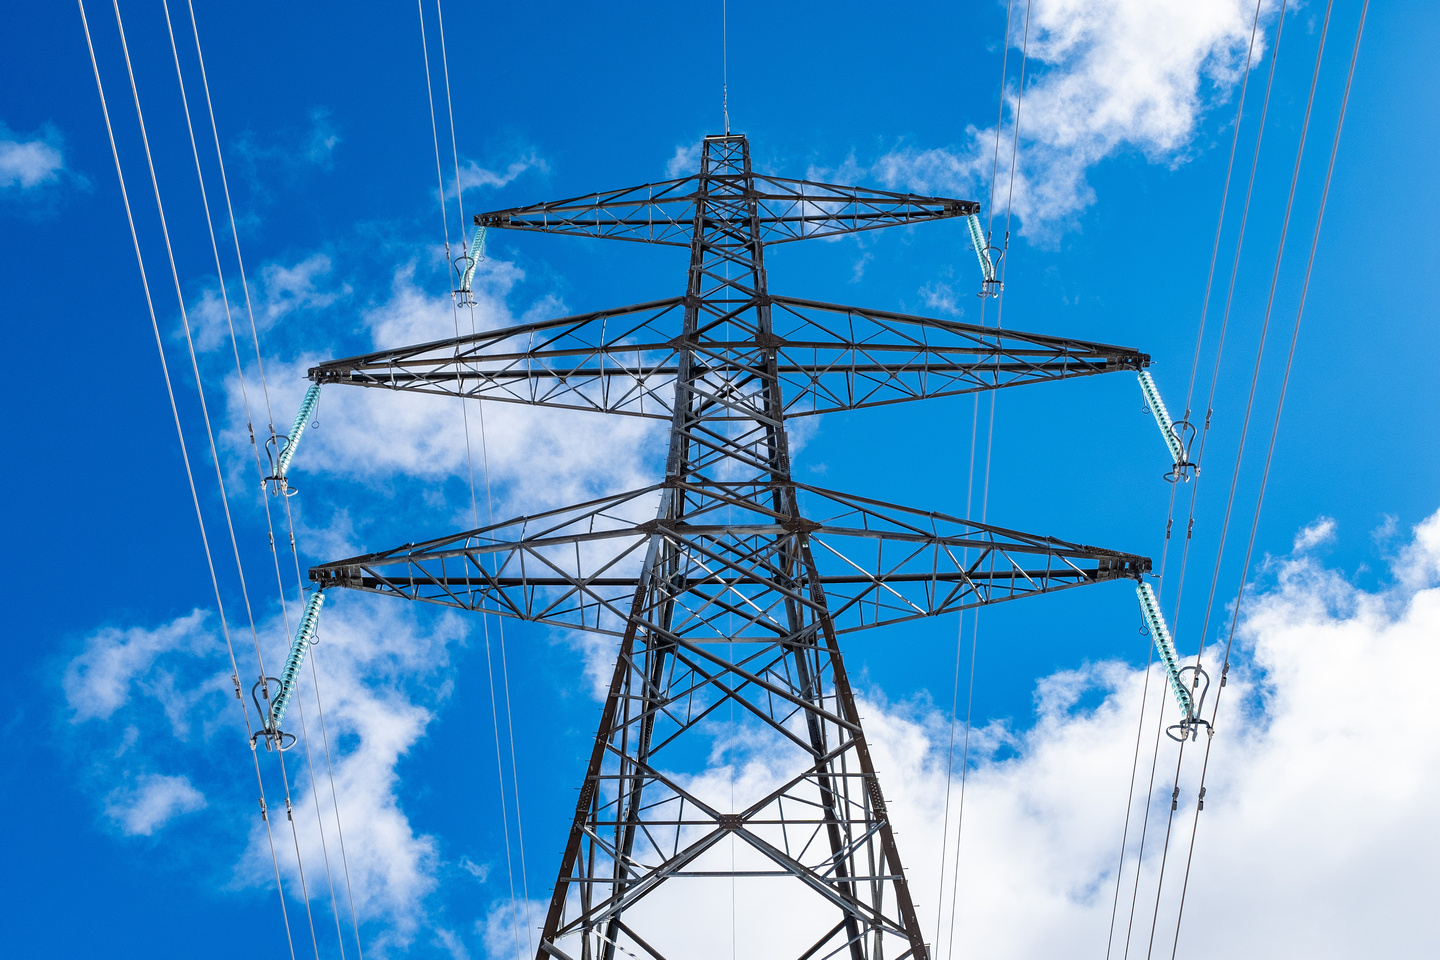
[265, 161]
[153, 801]
[28, 163]
[100, 679]
[508, 930]
[277, 291]
[34, 174]
[1104, 78]
[1320, 532]
[685, 162]
[941, 297]
[474, 175]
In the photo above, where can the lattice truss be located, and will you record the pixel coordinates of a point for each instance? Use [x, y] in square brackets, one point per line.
[727, 584]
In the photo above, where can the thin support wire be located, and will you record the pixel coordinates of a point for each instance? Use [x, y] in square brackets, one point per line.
[435, 138]
[1170, 510]
[265, 389]
[1270, 451]
[1245, 426]
[185, 458]
[725, 63]
[210, 227]
[989, 448]
[470, 466]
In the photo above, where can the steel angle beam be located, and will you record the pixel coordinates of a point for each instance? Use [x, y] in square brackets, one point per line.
[878, 564]
[828, 358]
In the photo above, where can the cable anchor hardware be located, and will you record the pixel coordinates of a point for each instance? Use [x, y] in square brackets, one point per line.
[1189, 727]
[281, 449]
[465, 265]
[988, 255]
[304, 639]
[1178, 434]
[274, 738]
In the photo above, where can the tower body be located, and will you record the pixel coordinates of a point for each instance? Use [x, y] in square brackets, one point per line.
[746, 653]
[730, 804]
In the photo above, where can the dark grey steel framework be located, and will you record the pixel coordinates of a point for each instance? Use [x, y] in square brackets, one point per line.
[728, 583]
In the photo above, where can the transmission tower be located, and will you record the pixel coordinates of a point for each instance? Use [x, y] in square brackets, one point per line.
[728, 583]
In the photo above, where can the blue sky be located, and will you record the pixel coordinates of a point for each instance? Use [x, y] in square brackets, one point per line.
[129, 789]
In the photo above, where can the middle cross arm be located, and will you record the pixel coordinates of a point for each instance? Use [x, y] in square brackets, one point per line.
[829, 358]
[732, 570]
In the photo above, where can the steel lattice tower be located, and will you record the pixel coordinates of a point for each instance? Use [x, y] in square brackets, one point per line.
[728, 583]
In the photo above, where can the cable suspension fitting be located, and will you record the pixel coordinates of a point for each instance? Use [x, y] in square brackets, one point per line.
[1178, 434]
[991, 286]
[304, 638]
[280, 465]
[1191, 697]
[465, 266]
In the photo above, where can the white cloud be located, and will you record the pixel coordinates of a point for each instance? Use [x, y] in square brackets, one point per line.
[28, 163]
[1316, 840]
[99, 680]
[1104, 77]
[941, 297]
[381, 677]
[685, 162]
[289, 152]
[538, 458]
[474, 175]
[1317, 533]
[152, 802]
[277, 292]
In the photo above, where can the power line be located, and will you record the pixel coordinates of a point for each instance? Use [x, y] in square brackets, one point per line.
[1170, 509]
[265, 389]
[1274, 433]
[470, 465]
[1244, 432]
[185, 458]
[240, 375]
[990, 434]
[960, 621]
